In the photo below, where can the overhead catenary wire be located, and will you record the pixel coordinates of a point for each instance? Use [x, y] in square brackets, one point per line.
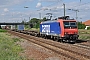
[81, 10]
[79, 5]
[50, 5]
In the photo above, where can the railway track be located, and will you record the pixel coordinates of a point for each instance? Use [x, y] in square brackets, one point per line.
[56, 47]
[86, 43]
[83, 46]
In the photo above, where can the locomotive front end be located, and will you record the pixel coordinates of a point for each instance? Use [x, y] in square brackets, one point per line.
[70, 30]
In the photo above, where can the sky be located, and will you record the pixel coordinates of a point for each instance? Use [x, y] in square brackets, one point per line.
[23, 10]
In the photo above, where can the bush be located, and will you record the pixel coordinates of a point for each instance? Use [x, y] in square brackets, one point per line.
[88, 28]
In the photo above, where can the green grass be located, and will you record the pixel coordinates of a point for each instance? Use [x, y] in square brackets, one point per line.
[1, 30]
[84, 34]
[9, 50]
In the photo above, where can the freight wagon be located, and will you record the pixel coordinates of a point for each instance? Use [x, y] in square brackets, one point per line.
[20, 27]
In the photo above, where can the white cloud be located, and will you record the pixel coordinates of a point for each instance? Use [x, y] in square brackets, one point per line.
[39, 5]
[6, 10]
[2, 14]
[19, 13]
[8, 3]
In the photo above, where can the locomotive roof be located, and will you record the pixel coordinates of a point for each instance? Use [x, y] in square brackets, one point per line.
[64, 17]
[51, 21]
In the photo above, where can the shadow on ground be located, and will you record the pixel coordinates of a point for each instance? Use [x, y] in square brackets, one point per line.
[81, 41]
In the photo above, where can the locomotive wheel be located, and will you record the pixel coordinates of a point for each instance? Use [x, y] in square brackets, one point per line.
[57, 39]
[72, 41]
[48, 37]
[45, 36]
[53, 38]
[61, 40]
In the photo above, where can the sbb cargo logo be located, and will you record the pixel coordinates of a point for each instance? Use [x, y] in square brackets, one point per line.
[46, 28]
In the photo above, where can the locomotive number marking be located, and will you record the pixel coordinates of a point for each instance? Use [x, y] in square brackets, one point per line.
[46, 28]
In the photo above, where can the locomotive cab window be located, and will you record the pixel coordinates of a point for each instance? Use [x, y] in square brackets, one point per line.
[69, 24]
[66, 24]
[72, 23]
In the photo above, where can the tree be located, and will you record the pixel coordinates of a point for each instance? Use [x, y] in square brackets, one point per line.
[23, 22]
[80, 25]
[44, 19]
[35, 22]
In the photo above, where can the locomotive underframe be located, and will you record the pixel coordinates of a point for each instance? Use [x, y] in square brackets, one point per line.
[66, 38]
[70, 37]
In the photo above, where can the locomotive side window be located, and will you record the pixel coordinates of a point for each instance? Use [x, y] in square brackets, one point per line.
[69, 24]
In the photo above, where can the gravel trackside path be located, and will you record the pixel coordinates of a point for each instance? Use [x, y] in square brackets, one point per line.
[35, 52]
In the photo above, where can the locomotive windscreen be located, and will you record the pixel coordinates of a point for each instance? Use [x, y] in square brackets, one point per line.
[70, 24]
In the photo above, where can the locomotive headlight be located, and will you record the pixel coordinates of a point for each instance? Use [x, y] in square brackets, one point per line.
[66, 33]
